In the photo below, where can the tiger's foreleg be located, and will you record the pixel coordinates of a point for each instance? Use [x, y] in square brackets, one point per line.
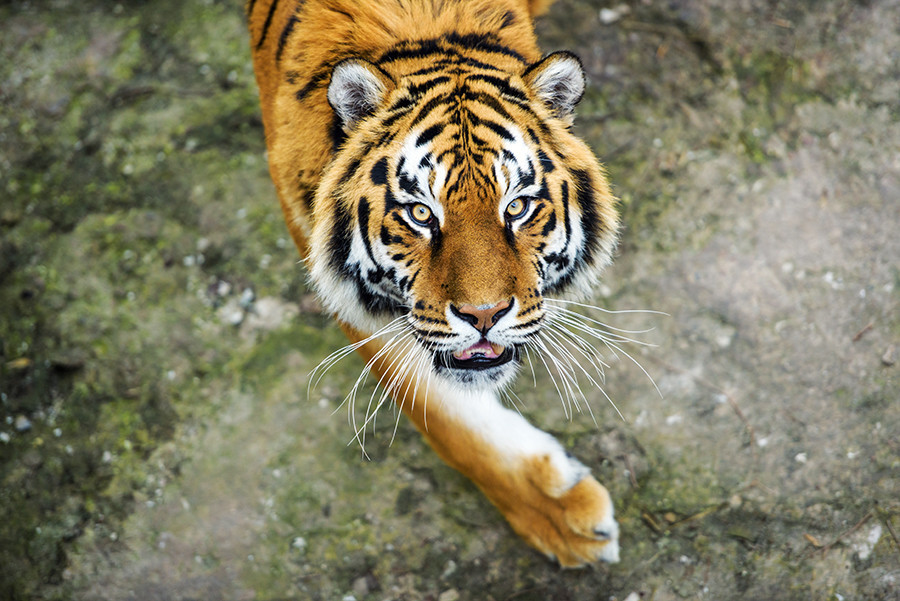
[547, 496]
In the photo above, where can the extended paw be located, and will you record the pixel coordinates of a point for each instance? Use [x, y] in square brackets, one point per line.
[593, 533]
[572, 523]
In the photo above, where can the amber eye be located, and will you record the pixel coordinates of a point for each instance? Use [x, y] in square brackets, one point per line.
[420, 213]
[516, 208]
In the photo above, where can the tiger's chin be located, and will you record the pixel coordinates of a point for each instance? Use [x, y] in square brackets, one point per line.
[472, 369]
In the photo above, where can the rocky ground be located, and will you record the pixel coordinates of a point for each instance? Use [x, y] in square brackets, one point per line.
[157, 441]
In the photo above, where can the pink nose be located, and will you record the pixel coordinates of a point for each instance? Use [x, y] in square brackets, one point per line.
[483, 317]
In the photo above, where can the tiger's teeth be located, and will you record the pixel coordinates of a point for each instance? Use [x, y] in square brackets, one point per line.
[484, 349]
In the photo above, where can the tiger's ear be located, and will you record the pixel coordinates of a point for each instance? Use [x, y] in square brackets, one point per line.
[357, 88]
[558, 80]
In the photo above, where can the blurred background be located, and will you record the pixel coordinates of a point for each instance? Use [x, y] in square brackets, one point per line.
[157, 437]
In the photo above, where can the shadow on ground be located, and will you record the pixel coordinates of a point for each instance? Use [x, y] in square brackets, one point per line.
[158, 440]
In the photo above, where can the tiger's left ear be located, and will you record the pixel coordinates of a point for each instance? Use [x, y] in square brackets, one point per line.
[558, 80]
[357, 88]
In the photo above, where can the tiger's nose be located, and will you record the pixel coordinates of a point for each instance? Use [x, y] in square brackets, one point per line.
[482, 317]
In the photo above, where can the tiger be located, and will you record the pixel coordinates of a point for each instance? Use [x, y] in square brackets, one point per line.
[424, 159]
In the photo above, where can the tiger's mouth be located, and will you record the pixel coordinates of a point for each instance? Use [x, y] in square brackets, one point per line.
[479, 356]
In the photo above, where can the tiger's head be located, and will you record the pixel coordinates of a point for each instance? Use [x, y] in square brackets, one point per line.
[457, 201]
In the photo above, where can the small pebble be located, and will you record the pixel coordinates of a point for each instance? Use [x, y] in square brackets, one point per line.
[449, 595]
[247, 297]
[449, 569]
[889, 356]
[361, 586]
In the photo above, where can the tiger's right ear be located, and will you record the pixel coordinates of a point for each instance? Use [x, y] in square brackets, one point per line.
[357, 88]
[558, 80]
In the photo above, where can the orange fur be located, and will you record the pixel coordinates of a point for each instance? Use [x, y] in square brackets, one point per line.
[296, 46]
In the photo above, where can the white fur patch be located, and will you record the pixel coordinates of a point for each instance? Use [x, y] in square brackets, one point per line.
[520, 161]
[508, 433]
[421, 173]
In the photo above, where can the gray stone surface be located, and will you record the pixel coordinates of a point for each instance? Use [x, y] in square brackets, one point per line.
[157, 334]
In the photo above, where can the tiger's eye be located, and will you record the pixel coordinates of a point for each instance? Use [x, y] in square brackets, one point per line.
[420, 213]
[516, 208]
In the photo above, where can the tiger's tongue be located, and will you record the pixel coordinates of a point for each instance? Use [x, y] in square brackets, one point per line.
[485, 349]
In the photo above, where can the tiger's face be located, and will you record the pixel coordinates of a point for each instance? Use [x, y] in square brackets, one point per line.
[458, 200]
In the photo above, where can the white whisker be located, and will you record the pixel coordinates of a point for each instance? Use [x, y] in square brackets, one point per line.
[563, 346]
[577, 320]
[328, 362]
[570, 384]
[602, 310]
[533, 343]
[408, 342]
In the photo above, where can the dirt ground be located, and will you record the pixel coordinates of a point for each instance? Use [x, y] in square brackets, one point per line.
[157, 440]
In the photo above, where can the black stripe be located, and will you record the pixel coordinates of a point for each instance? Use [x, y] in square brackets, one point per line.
[437, 66]
[378, 174]
[307, 195]
[390, 201]
[427, 108]
[472, 62]
[434, 333]
[407, 50]
[546, 163]
[351, 170]
[318, 79]
[398, 110]
[338, 135]
[528, 178]
[285, 34]
[376, 303]
[362, 216]
[492, 103]
[528, 324]
[267, 24]
[534, 214]
[429, 134]
[483, 43]
[418, 89]
[495, 127]
[591, 224]
[401, 221]
[566, 220]
[339, 243]
[501, 84]
[415, 274]
[249, 7]
[407, 184]
[470, 41]
[530, 309]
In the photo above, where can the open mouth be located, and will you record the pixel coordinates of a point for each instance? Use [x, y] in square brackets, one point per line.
[482, 355]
